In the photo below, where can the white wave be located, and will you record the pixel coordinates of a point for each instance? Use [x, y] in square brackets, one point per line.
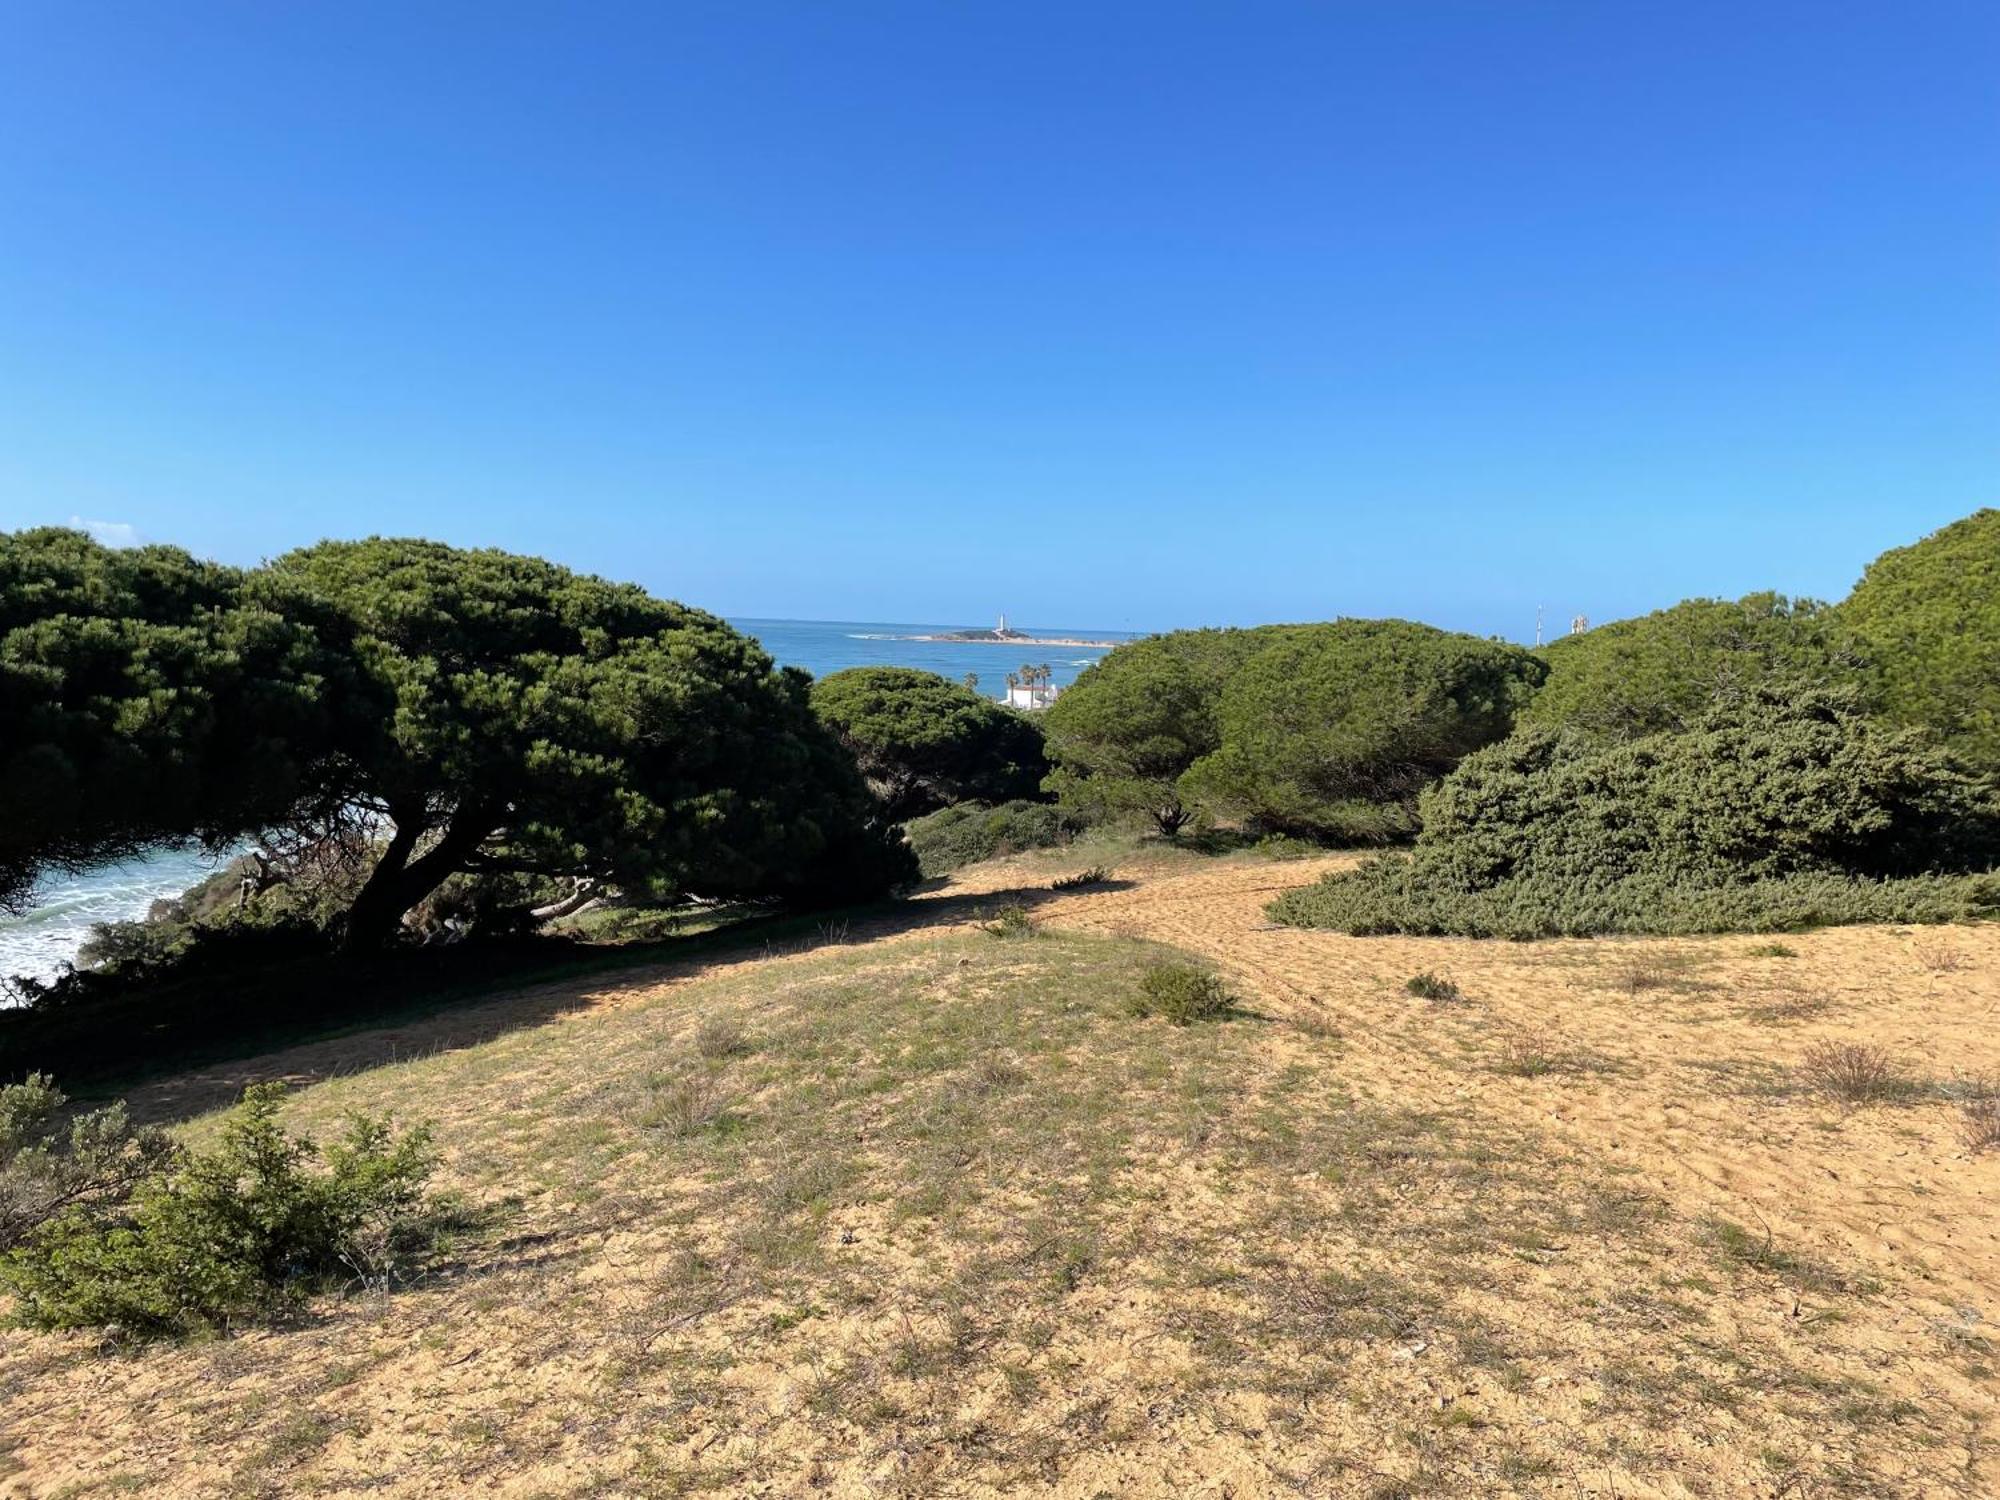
[43, 940]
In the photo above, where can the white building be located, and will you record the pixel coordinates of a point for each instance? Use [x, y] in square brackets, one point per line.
[1031, 695]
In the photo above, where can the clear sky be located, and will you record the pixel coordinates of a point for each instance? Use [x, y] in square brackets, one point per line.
[1129, 315]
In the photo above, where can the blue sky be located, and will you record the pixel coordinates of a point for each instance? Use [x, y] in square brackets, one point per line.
[1128, 315]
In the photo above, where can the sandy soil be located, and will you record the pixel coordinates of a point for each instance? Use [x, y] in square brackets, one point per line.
[1669, 1063]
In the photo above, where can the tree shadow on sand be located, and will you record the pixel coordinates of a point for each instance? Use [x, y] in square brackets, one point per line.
[444, 1018]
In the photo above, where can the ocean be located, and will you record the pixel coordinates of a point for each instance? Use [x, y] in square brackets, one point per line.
[39, 943]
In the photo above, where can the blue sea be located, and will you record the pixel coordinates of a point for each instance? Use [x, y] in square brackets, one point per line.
[40, 943]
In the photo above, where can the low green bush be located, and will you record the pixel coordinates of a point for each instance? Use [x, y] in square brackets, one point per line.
[1781, 812]
[46, 1165]
[968, 832]
[1011, 921]
[1430, 986]
[1082, 880]
[1182, 994]
[211, 1239]
[1391, 895]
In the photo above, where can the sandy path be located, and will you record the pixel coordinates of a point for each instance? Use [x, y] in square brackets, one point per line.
[1687, 1083]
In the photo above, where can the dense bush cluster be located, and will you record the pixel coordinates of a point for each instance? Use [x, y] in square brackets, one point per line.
[925, 742]
[953, 837]
[1327, 731]
[1331, 732]
[1663, 671]
[1777, 811]
[108, 1225]
[420, 713]
[424, 743]
[1928, 618]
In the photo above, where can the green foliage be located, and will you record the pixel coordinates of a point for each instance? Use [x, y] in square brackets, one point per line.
[1327, 731]
[48, 1167]
[1082, 880]
[1389, 896]
[239, 1233]
[1929, 618]
[147, 698]
[536, 720]
[1181, 994]
[1011, 921]
[1430, 986]
[1331, 731]
[1777, 813]
[1127, 731]
[970, 833]
[1664, 670]
[472, 711]
[924, 742]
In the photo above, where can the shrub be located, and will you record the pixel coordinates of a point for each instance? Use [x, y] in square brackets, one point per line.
[1937, 957]
[1851, 1072]
[1126, 732]
[1664, 671]
[681, 1104]
[1181, 994]
[721, 1037]
[1979, 1124]
[1081, 880]
[925, 742]
[1429, 986]
[1284, 846]
[1777, 814]
[238, 1233]
[1534, 1054]
[1331, 731]
[47, 1169]
[1929, 617]
[1011, 921]
[954, 837]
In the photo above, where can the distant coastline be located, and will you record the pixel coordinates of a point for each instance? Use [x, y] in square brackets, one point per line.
[1011, 638]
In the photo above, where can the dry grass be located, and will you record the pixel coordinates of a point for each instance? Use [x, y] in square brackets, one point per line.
[1979, 1124]
[1937, 955]
[1534, 1052]
[1659, 969]
[1852, 1073]
[928, 1215]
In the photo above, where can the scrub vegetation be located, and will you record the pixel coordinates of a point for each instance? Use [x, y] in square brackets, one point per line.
[611, 1162]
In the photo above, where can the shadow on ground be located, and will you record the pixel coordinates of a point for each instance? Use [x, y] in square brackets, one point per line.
[616, 978]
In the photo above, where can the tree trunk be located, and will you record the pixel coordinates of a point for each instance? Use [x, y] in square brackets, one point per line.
[585, 894]
[398, 882]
